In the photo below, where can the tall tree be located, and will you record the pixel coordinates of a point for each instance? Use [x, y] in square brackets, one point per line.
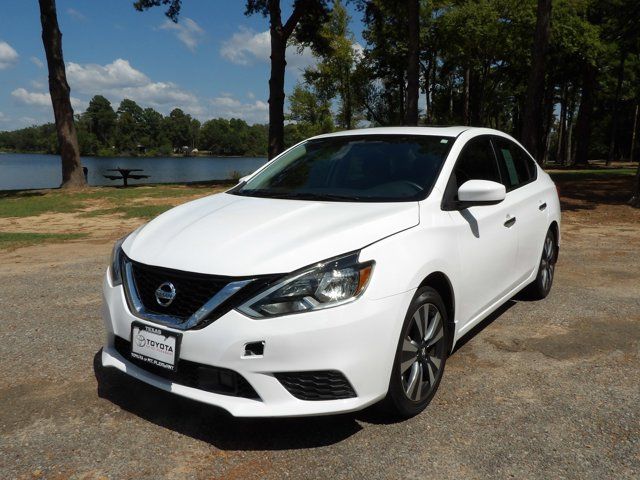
[305, 22]
[72, 174]
[413, 62]
[583, 123]
[334, 77]
[101, 118]
[533, 112]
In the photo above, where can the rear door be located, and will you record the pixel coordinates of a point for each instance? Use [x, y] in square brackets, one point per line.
[486, 236]
[519, 176]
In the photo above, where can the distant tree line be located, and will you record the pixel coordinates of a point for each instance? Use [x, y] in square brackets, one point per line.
[133, 130]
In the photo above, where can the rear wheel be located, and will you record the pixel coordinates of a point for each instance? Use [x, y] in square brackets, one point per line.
[420, 356]
[541, 286]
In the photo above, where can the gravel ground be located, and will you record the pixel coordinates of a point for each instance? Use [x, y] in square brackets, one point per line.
[544, 389]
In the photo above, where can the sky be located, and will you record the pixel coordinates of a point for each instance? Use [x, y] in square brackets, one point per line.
[213, 63]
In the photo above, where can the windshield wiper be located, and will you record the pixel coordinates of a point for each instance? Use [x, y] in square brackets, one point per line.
[320, 196]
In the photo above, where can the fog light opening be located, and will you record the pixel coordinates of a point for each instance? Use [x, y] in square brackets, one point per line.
[253, 349]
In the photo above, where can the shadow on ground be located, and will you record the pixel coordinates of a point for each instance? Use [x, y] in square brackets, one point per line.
[218, 428]
[215, 426]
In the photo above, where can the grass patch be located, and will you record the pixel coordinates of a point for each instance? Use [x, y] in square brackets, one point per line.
[11, 240]
[27, 203]
[130, 211]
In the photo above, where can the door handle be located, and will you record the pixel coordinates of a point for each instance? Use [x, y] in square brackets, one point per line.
[510, 222]
[542, 206]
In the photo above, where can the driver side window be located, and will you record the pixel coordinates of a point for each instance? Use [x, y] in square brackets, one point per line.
[477, 161]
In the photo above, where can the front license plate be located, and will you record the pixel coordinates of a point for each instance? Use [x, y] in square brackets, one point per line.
[155, 346]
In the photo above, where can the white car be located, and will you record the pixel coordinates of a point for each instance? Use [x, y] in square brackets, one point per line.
[340, 274]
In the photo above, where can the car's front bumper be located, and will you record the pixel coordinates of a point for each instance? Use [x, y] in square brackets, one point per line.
[358, 339]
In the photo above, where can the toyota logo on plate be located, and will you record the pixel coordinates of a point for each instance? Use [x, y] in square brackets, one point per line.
[165, 294]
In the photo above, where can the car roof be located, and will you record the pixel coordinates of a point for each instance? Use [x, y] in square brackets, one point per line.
[444, 131]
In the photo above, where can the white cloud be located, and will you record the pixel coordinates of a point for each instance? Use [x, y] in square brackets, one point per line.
[37, 62]
[187, 31]
[246, 47]
[42, 99]
[76, 14]
[3, 118]
[22, 95]
[92, 78]
[8, 56]
[229, 107]
[118, 80]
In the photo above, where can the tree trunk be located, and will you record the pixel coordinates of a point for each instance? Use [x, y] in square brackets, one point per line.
[276, 92]
[569, 141]
[633, 135]
[466, 119]
[72, 174]
[545, 142]
[562, 124]
[413, 63]
[533, 114]
[614, 115]
[635, 197]
[583, 123]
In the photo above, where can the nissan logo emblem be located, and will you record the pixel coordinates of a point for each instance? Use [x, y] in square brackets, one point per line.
[165, 294]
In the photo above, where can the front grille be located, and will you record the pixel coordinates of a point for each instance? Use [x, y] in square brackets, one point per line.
[193, 290]
[317, 385]
[196, 375]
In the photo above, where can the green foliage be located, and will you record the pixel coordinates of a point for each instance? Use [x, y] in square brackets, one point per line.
[334, 78]
[136, 131]
[310, 112]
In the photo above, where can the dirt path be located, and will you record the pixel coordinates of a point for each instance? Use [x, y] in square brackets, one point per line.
[544, 390]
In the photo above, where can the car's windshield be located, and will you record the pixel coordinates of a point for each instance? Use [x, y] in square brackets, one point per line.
[364, 168]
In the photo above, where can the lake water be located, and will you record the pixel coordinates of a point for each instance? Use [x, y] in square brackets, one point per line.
[18, 170]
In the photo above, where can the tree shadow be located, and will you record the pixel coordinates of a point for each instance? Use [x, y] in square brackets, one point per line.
[582, 192]
[214, 425]
[21, 193]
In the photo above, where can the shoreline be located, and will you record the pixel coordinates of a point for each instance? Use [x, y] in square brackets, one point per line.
[172, 155]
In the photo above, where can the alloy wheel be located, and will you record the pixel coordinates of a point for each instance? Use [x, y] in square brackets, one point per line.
[423, 350]
[548, 263]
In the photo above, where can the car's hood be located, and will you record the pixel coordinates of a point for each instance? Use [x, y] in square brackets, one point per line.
[232, 235]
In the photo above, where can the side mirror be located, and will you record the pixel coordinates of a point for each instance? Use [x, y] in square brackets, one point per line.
[480, 192]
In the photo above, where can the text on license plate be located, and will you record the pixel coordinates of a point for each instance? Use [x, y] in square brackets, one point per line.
[154, 345]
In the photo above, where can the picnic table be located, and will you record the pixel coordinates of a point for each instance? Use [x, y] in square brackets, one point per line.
[125, 174]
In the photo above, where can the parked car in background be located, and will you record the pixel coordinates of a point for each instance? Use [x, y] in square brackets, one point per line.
[339, 275]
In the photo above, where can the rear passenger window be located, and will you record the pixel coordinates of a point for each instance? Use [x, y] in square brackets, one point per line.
[476, 162]
[516, 167]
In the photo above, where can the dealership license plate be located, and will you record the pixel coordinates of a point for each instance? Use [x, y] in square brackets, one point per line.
[155, 346]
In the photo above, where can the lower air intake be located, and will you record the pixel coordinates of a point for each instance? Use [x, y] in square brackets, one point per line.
[317, 385]
[196, 375]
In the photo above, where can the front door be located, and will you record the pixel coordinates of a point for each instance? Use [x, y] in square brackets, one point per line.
[486, 237]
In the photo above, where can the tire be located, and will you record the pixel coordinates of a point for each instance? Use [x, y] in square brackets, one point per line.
[420, 356]
[541, 286]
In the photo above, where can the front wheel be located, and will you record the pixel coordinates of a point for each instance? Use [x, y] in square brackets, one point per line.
[420, 356]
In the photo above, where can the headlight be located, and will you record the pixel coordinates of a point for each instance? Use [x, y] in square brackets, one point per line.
[116, 262]
[327, 284]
